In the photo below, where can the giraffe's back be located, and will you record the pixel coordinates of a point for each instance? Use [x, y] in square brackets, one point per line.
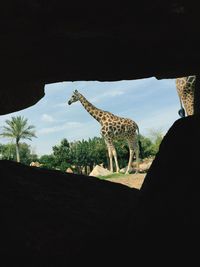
[119, 128]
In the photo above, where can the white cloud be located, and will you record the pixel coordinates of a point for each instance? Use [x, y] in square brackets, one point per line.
[59, 128]
[106, 94]
[47, 118]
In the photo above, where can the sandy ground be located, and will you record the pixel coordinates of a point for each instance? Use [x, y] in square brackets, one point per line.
[132, 180]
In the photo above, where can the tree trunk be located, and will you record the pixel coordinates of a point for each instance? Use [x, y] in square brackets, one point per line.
[17, 152]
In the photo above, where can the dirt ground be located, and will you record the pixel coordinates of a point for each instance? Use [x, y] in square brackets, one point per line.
[132, 180]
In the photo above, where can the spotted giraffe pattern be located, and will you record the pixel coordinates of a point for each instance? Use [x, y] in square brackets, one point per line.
[185, 87]
[112, 128]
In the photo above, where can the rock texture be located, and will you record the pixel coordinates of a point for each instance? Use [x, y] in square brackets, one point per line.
[52, 41]
[172, 183]
[99, 171]
[50, 218]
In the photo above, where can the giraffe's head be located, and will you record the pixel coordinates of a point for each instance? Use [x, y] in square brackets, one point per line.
[74, 97]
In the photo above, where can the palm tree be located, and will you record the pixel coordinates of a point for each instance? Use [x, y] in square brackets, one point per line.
[17, 128]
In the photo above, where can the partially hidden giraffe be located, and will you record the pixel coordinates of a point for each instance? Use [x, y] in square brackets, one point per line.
[185, 87]
[113, 128]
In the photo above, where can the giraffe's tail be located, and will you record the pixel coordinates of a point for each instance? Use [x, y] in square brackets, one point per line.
[181, 112]
[140, 152]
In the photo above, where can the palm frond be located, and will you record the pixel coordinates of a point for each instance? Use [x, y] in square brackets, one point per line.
[18, 128]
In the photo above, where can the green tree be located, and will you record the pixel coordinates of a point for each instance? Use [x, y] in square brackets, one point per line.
[97, 152]
[62, 157]
[17, 128]
[88, 153]
[8, 152]
[48, 161]
[122, 152]
[26, 156]
[80, 154]
[150, 145]
[156, 136]
[147, 147]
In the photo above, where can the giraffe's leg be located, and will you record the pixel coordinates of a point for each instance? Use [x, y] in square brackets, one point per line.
[110, 157]
[131, 152]
[112, 153]
[137, 158]
[130, 160]
[133, 147]
[115, 158]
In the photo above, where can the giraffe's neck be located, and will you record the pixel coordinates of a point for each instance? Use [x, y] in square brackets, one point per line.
[96, 113]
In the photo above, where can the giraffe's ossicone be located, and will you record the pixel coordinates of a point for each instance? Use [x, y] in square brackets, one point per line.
[112, 128]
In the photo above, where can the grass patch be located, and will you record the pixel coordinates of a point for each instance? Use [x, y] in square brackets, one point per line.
[113, 175]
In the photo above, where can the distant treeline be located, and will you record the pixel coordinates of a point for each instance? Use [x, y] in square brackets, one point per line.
[82, 155]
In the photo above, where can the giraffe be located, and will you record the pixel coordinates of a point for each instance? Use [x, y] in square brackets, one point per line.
[112, 128]
[185, 87]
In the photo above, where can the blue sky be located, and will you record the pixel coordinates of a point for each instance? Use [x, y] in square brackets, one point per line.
[153, 104]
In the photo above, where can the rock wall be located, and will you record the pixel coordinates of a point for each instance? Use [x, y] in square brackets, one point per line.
[48, 41]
